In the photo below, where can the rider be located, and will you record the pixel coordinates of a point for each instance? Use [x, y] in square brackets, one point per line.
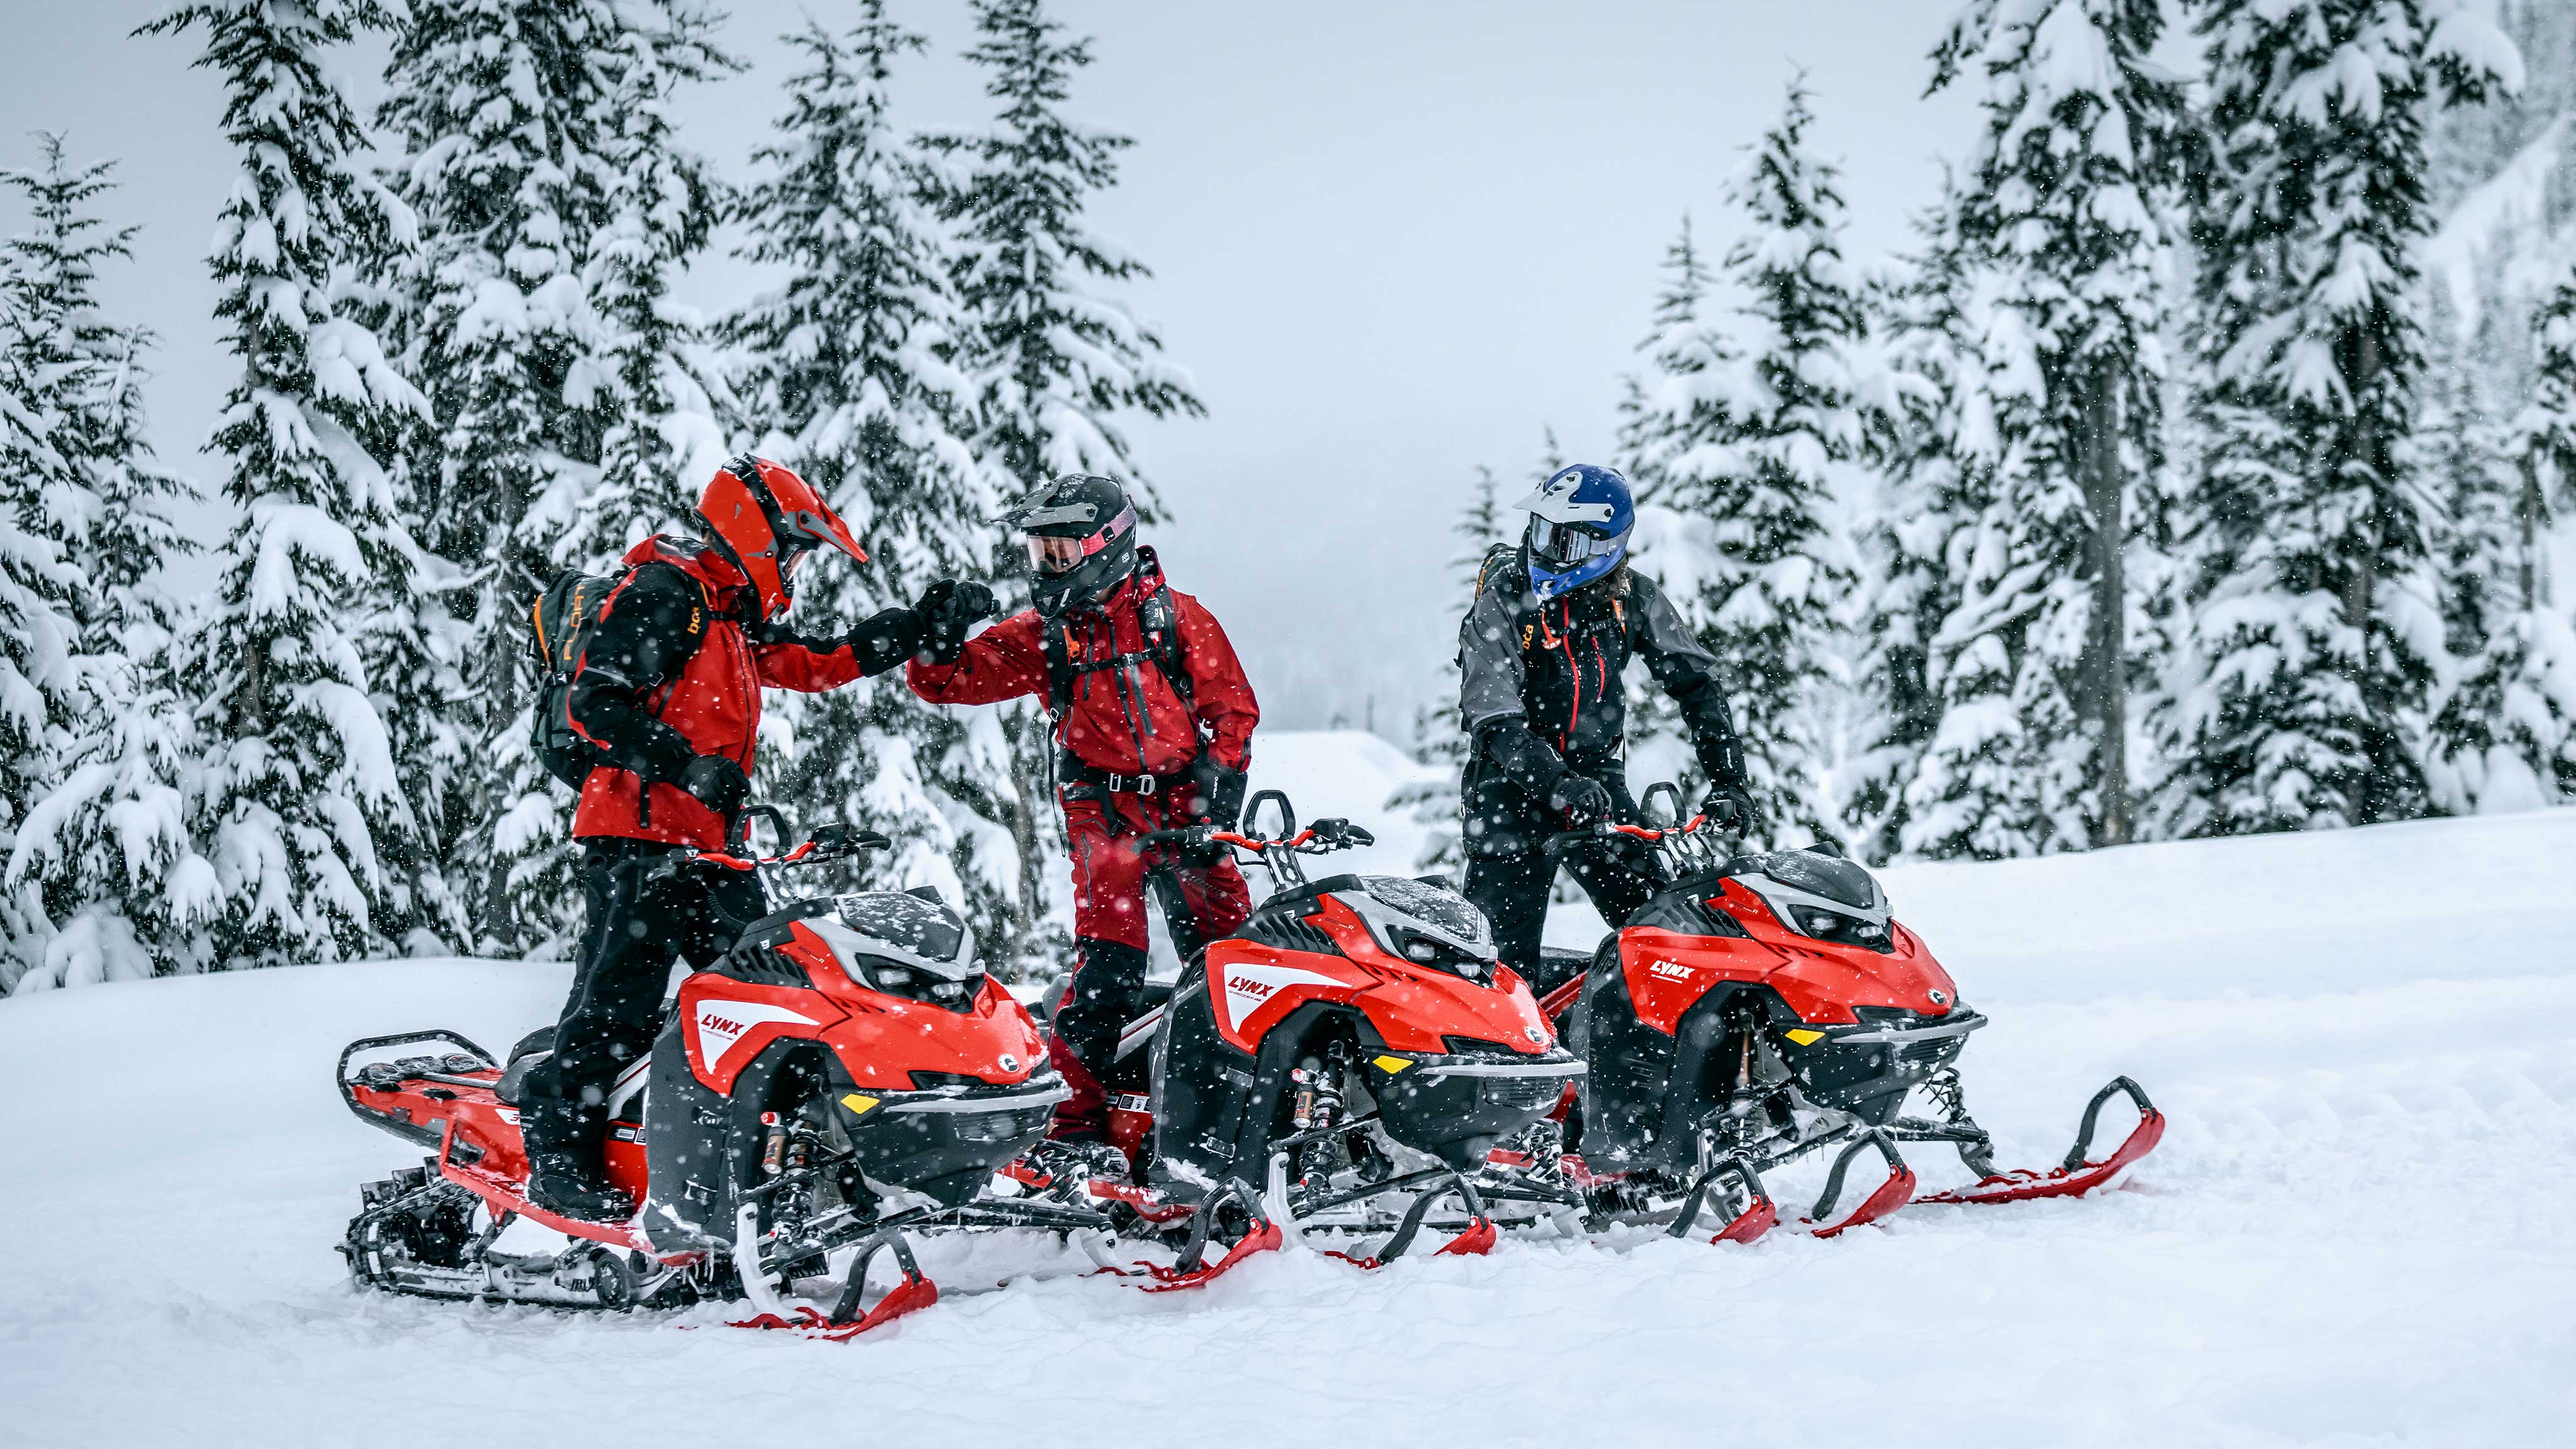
[669, 689]
[1540, 659]
[1152, 727]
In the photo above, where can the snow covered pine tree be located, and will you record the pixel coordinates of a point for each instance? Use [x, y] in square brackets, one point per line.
[122, 888]
[1937, 451]
[499, 113]
[662, 441]
[1047, 358]
[2064, 214]
[2301, 695]
[1741, 440]
[847, 367]
[305, 811]
[2502, 738]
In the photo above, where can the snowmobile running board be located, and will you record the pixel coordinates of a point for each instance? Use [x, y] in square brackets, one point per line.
[2076, 1176]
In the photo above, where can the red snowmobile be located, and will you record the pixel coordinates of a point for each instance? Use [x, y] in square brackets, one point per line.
[1347, 1062]
[1761, 1008]
[846, 1074]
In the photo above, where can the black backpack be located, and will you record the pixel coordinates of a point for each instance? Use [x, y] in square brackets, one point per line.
[560, 623]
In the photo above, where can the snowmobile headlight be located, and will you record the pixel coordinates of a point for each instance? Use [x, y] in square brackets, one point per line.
[953, 993]
[1822, 923]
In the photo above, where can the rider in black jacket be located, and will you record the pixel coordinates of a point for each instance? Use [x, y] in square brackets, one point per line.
[1540, 658]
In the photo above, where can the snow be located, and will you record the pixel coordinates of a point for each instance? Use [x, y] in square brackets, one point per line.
[2355, 1232]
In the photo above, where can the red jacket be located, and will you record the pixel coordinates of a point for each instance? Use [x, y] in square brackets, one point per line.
[653, 691]
[1101, 727]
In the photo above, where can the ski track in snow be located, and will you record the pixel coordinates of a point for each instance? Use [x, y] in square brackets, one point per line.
[2356, 1231]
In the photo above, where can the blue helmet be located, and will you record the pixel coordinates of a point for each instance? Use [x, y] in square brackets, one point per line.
[1580, 519]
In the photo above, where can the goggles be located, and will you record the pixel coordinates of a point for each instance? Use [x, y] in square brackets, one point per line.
[1053, 555]
[1564, 545]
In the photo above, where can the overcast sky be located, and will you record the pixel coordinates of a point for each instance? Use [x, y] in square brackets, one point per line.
[1390, 242]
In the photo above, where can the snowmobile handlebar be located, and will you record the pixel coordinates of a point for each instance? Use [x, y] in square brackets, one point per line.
[837, 841]
[1318, 838]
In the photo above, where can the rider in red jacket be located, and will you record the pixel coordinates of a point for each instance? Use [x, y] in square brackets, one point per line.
[1153, 730]
[668, 688]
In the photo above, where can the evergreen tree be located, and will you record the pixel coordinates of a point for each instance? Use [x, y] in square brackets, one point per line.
[1440, 733]
[848, 367]
[1740, 441]
[661, 391]
[122, 887]
[1935, 453]
[2502, 737]
[1049, 357]
[2064, 212]
[306, 812]
[2303, 686]
[37, 677]
[500, 111]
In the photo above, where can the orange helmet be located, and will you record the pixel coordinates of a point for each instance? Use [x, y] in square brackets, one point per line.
[765, 517]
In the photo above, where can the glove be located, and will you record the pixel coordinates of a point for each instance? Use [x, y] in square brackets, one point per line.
[948, 608]
[1216, 793]
[1732, 806]
[718, 783]
[1580, 799]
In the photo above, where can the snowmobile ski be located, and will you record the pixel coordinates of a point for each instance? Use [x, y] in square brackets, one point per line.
[2075, 1176]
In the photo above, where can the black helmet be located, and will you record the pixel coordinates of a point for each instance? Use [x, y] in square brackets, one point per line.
[1081, 536]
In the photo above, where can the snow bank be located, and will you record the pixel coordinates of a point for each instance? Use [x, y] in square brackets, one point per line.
[2356, 1231]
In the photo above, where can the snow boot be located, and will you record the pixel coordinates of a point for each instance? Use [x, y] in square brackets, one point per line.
[565, 1141]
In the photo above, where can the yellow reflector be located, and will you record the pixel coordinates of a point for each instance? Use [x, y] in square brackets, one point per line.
[1392, 1065]
[1804, 1037]
[857, 1104]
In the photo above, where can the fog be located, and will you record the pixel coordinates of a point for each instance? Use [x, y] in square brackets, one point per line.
[1390, 243]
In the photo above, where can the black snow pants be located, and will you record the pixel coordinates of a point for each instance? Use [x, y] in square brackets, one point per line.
[636, 930]
[1509, 873]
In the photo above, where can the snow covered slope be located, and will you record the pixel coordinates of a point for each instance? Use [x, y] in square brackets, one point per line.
[2357, 1230]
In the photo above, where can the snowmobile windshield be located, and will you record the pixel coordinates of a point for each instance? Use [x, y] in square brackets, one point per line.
[1821, 875]
[907, 928]
[1563, 545]
[1444, 911]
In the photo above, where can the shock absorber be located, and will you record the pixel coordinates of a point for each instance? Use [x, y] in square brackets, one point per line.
[773, 1151]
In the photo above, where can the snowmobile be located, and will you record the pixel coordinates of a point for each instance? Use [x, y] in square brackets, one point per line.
[845, 1075]
[1761, 1008]
[1345, 1063]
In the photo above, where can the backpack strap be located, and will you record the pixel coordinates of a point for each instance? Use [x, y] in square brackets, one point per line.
[1159, 620]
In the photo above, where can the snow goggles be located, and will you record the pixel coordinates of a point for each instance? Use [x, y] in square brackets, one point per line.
[1566, 544]
[1051, 555]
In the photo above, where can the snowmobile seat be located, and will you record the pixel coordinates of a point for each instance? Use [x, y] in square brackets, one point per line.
[532, 1049]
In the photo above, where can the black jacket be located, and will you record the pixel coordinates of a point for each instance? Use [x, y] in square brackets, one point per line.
[1539, 683]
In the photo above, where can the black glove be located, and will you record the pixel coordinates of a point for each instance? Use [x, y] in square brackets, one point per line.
[1732, 806]
[1216, 793]
[948, 608]
[1580, 799]
[718, 783]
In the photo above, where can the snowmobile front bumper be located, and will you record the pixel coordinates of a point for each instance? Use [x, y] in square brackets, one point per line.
[946, 1143]
[1457, 1106]
[1867, 1068]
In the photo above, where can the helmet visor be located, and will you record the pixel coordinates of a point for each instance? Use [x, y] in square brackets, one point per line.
[1050, 554]
[1563, 545]
[1057, 555]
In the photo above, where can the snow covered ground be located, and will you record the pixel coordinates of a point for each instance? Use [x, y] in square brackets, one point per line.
[2357, 1230]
